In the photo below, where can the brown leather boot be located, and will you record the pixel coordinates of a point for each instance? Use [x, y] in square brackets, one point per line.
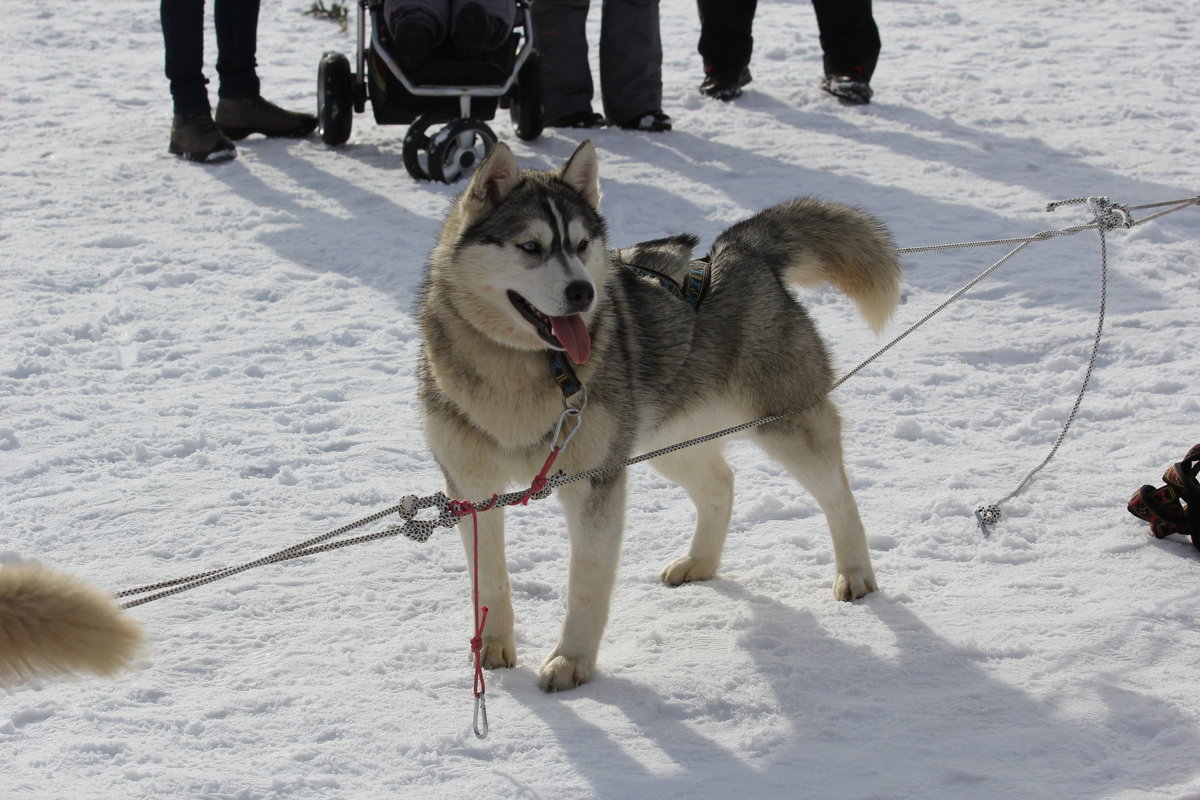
[197, 138]
[242, 116]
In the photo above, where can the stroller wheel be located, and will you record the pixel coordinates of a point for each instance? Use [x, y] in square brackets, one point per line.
[335, 99]
[416, 145]
[457, 148]
[525, 104]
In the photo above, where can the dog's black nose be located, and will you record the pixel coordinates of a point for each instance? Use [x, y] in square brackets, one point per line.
[580, 295]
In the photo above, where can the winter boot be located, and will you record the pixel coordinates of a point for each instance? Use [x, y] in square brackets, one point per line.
[239, 117]
[652, 122]
[197, 138]
[848, 87]
[723, 84]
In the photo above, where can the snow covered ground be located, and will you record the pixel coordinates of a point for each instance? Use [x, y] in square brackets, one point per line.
[201, 365]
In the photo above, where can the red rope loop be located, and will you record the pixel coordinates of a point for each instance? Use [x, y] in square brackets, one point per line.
[477, 650]
[539, 481]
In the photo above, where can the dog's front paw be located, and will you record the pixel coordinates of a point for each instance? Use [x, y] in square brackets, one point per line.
[686, 569]
[563, 672]
[851, 584]
[498, 651]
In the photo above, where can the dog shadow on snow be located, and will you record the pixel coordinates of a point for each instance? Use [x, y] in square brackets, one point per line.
[925, 721]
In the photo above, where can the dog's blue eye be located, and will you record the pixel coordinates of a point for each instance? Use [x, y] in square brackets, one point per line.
[532, 248]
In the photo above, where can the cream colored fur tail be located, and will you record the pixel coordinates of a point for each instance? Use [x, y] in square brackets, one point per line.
[811, 242]
[52, 624]
[850, 249]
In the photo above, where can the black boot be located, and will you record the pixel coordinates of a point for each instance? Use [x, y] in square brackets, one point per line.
[848, 87]
[239, 117]
[724, 84]
[197, 138]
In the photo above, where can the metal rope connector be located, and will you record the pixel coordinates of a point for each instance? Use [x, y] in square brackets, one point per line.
[479, 722]
[987, 516]
[568, 411]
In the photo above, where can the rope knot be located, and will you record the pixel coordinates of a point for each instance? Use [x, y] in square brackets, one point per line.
[1106, 214]
[1109, 215]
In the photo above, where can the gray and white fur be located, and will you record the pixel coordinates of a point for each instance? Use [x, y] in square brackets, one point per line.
[522, 267]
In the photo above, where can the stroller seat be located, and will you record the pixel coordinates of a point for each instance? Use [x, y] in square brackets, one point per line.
[447, 103]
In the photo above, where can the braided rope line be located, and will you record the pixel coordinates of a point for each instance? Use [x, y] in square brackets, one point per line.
[1108, 216]
[418, 530]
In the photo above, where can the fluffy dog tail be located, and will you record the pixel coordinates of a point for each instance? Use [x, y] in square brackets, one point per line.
[52, 624]
[812, 242]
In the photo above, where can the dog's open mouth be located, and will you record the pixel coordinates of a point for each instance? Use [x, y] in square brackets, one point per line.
[562, 333]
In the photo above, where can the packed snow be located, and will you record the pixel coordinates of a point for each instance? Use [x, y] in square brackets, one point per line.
[200, 365]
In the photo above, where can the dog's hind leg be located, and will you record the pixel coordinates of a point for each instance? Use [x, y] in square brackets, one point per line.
[809, 445]
[595, 521]
[703, 473]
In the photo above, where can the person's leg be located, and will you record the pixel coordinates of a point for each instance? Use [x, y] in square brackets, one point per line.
[560, 27]
[849, 37]
[726, 43]
[194, 135]
[726, 34]
[631, 62]
[183, 43]
[237, 42]
[416, 28]
[481, 26]
[433, 14]
[241, 109]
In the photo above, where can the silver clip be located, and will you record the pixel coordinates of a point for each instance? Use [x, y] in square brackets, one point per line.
[481, 730]
[577, 413]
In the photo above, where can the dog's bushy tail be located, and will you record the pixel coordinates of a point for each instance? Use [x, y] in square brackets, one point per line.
[811, 242]
[52, 624]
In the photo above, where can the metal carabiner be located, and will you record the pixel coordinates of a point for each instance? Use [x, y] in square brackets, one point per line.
[481, 731]
[567, 411]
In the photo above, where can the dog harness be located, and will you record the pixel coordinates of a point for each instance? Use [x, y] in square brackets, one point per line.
[692, 291]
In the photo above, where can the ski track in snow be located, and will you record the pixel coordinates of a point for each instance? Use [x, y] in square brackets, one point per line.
[199, 366]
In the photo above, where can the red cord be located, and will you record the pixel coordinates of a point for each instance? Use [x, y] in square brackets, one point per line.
[539, 480]
[462, 508]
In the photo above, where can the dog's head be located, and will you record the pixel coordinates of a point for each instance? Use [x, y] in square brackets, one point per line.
[523, 254]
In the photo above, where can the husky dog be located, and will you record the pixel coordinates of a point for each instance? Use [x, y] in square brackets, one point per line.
[522, 277]
[52, 624]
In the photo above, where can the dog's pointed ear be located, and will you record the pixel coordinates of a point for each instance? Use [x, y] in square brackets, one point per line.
[582, 173]
[492, 182]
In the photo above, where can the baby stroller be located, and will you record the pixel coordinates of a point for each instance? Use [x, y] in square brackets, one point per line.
[446, 104]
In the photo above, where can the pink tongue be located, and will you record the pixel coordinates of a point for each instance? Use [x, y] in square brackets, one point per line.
[572, 334]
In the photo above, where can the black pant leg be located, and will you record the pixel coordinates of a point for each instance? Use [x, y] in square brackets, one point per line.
[560, 30]
[183, 43]
[725, 34]
[630, 59]
[849, 36]
[236, 22]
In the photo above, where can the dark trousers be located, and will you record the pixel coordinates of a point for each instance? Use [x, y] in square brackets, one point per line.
[236, 23]
[630, 57]
[849, 37]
